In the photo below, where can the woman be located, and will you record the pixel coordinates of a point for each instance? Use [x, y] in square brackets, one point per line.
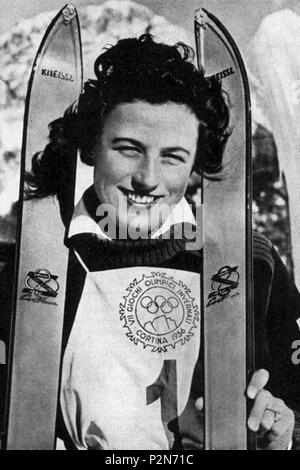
[132, 374]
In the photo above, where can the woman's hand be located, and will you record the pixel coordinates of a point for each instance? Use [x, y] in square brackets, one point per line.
[269, 416]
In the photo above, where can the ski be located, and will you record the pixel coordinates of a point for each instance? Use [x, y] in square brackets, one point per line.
[42, 259]
[227, 303]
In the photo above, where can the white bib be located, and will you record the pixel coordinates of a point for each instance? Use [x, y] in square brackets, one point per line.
[135, 335]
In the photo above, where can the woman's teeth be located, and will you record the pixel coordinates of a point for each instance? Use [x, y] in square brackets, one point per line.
[140, 199]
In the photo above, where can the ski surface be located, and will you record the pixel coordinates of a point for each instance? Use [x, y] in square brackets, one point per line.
[42, 259]
[227, 316]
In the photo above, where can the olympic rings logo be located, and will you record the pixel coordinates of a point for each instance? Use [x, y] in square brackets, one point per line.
[159, 303]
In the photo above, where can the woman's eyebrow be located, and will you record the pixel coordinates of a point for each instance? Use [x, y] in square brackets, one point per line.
[135, 142]
[177, 149]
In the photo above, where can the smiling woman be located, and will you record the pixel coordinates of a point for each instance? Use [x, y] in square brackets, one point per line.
[146, 123]
[132, 368]
[137, 70]
[145, 159]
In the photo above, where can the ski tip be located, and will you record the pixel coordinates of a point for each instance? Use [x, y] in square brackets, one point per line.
[201, 17]
[69, 13]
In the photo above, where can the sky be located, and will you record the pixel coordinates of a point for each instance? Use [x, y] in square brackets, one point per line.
[241, 17]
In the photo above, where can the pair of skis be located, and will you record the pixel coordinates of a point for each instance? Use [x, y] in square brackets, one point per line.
[42, 260]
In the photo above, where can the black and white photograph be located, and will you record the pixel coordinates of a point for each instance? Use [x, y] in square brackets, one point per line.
[150, 227]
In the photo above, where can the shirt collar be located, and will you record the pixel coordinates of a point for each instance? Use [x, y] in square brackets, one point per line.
[82, 222]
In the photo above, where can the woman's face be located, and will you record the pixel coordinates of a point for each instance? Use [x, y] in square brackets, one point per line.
[143, 158]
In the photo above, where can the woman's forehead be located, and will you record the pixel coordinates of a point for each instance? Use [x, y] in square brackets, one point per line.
[168, 120]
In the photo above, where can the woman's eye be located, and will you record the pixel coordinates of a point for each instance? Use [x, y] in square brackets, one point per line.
[129, 151]
[173, 158]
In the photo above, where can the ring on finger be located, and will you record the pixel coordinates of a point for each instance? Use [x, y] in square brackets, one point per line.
[276, 414]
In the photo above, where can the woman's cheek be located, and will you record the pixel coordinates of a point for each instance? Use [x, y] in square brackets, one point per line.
[176, 182]
[118, 167]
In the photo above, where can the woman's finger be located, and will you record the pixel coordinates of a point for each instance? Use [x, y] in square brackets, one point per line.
[258, 381]
[199, 403]
[263, 400]
[268, 419]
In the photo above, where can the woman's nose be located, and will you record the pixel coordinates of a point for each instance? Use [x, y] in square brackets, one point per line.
[146, 178]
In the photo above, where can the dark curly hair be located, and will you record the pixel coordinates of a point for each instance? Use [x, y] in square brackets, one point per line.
[134, 69]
